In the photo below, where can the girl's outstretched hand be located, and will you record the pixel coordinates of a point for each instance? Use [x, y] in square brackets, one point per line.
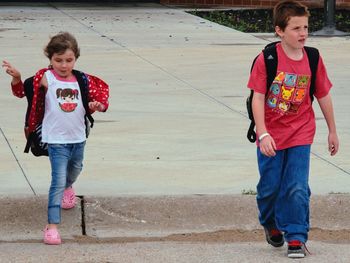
[9, 69]
[96, 106]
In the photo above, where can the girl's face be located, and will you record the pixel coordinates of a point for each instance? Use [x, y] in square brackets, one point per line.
[63, 64]
[295, 33]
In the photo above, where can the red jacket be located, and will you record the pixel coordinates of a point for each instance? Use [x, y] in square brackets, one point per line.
[98, 91]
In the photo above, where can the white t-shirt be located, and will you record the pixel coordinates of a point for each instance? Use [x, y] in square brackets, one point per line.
[64, 111]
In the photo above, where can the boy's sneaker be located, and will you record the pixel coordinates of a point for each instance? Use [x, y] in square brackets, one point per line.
[68, 200]
[51, 236]
[296, 249]
[274, 237]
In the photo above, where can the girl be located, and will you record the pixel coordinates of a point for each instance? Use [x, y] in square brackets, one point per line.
[63, 123]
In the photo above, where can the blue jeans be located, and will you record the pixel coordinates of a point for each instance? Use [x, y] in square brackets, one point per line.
[66, 164]
[283, 192]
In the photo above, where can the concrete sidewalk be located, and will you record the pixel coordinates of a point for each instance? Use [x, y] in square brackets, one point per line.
[191, 228]
[175, 129]
[171, 252]
[177, 121]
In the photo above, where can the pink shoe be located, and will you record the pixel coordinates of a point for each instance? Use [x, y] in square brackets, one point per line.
[51, 236]
[68, 200]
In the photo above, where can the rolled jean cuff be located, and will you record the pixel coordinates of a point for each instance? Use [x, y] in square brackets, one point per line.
[54, 214]
[296, 232]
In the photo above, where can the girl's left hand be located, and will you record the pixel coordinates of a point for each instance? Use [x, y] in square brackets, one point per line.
[96, 106]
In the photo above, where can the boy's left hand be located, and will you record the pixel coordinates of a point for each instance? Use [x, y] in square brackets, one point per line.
[333, 143]
[96, 106]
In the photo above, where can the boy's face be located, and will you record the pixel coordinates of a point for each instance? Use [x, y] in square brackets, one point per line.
[63, 64]
[295, 33]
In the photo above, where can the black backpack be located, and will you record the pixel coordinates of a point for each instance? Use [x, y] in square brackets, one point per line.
[271, 62]
[34, 143]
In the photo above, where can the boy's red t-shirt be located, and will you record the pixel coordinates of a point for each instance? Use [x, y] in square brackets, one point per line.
[289, 117]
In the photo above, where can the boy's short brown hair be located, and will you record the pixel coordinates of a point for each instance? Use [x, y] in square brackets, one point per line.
[60, 43]
[284, 10]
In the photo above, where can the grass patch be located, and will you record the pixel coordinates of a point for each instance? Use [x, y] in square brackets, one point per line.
[338, 193]
[260, 20]
[249, 192]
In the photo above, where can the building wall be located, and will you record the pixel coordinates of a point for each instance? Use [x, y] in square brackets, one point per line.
[247, 3]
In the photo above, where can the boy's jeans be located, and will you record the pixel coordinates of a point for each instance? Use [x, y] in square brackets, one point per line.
[66, 164]
[283, 192]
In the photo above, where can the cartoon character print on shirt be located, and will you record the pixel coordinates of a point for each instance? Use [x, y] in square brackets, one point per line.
[299, 95]
[290, 80]
[280, 77]
[303, 81]
[274, 91]
[283, 106]
[287, 92]
[67, 99]
[272, 102]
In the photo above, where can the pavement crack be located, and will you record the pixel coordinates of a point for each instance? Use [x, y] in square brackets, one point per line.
[330, 163]
[83, 222]
[96, 205]
[148, 61]
[17, 161]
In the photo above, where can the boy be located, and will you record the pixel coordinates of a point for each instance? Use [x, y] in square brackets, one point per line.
[285, 126]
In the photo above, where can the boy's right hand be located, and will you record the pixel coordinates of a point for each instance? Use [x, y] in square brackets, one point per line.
[268, 146]
[16, 75]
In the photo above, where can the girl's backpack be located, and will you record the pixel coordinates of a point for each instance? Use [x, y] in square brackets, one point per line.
[34, 143]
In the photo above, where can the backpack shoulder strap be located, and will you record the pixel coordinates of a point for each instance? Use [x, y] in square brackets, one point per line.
[313, 55]
[84, 91]
[270, 58]
[271, 62]
[29, 92]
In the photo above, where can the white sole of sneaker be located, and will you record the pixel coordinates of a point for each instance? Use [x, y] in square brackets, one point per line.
[296, 255]
[52, 243]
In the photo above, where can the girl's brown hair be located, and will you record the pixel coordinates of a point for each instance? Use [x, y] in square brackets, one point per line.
[60, 43]
[284, 10]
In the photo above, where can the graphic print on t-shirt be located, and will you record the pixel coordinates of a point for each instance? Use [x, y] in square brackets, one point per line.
[67, 99]
[287, 92]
